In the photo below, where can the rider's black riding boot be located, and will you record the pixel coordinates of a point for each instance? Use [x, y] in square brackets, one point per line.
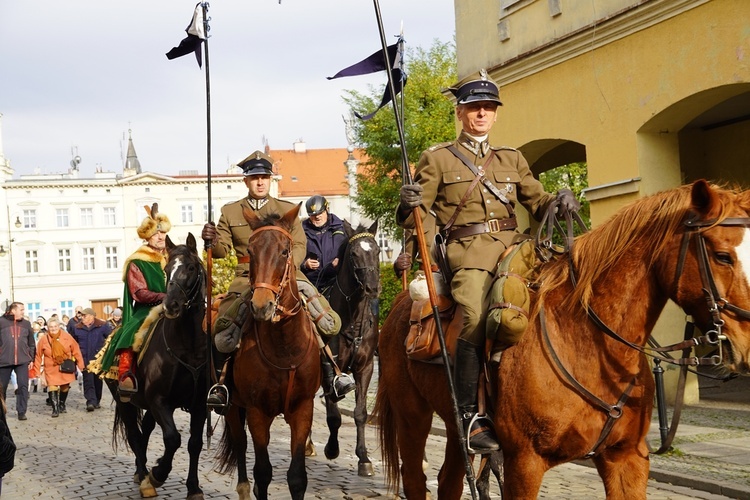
[335, 387]
[218, 394]
[480, 437]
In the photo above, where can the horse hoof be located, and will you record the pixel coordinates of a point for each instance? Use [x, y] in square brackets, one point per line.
[365, 470]
[195, 496]
[310, 450]
[147, 489]
[243, 491]
[331, 452]
[136, 478]
[153, 480]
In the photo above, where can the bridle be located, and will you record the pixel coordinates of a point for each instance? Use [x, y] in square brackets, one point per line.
[280, 311]
[357, 269]
[193, 296]
[694, 227]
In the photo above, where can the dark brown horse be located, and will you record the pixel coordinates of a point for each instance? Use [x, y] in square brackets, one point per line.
[171, 375]
[569, 390]
[277, 366]
[354, 296]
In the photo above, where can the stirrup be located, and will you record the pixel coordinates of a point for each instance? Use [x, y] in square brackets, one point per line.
[342, 385]
[480, 430]
[125, 390]
[218, 398]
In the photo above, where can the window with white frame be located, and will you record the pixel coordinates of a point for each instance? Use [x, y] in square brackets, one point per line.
[62, 217]
[205, 212]
[110, 217]
[87, 217]
[187, 213]
[31, 257]
[110, 257]
[88, 258]
[33, 310]
[63, 259]
[29, 219]
[66, 309]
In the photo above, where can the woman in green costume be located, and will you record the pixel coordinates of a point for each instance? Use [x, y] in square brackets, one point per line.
[145, 287]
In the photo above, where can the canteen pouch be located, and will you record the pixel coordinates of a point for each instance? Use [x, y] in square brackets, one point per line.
[422, 343]
[441, 256]
[228, 326]
[68, 366]
[508, 314]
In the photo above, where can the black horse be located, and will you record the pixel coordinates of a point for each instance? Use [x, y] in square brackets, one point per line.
[354, 296]
[171, 375]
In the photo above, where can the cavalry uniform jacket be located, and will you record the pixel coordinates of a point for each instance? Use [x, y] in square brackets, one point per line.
[446, 179]
[234, 231]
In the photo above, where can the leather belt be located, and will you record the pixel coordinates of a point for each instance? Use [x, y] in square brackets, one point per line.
[491, 226]
[245, 259]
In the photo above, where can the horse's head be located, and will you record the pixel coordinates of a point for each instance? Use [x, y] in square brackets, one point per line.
[362, 256]
[713, 268]
[271, 266]
[185, 278]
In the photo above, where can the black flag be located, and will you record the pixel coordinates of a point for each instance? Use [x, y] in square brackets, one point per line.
[194, 39]
[375, 63]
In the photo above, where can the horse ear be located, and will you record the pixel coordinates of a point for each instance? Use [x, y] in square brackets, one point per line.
[704, 200]
[169, 243]
[291, 215]
[348, 228]
[249, 216]
[190, 242]
[374, 228]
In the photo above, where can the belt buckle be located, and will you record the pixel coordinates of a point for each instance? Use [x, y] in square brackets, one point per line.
[493, 225]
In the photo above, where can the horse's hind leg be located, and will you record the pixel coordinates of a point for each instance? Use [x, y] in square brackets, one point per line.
[127, 414]
[234, 421]
[624, 473]
[360, 419]
[333, 419]
[412, 432]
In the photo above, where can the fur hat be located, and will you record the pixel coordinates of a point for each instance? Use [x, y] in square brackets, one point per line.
[154, 223]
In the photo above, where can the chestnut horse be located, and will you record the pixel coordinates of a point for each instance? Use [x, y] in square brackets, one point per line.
[578, 384]
[354, 296]
[277, 366]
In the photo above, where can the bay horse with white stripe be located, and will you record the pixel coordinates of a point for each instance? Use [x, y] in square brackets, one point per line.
[578, 385]
[276, 369]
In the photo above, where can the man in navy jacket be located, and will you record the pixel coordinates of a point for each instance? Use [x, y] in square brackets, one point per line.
[325, 235]
[90, 333]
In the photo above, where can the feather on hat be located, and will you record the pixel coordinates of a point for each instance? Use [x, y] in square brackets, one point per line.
[154, 223]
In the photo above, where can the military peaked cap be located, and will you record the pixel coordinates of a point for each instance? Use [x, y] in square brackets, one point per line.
[476, 87]
[257, 164]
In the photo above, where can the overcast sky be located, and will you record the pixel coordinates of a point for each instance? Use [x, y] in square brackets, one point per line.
[80, 73]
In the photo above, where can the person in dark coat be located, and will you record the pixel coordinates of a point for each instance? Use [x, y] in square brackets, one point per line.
[325, 235]
[17, 351]
[7, 446]
[90, 333]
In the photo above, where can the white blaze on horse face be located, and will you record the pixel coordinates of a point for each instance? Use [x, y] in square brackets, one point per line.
[177, 264]
[743, 255]
[366, 245]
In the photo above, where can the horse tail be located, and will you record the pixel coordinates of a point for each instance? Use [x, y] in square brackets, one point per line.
[225, 452]
[387, 437]
[120, 430]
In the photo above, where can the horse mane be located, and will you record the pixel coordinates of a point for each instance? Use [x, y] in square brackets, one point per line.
[650, 222]
[268, 220]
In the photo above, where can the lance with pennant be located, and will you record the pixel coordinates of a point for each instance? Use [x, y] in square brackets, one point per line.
[419, 234]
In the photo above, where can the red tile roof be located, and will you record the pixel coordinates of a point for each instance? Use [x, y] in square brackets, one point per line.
[314, 171]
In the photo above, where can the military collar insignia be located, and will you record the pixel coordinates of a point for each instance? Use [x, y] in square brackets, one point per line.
[257, 204]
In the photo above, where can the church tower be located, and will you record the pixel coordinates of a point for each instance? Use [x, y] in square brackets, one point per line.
[132, 165]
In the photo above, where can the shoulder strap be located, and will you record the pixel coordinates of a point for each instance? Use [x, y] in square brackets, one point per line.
[491, 187]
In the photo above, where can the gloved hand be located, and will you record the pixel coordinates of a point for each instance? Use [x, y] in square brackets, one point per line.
[401, 264]
[568, 201]
[411, 196]
[209, 233]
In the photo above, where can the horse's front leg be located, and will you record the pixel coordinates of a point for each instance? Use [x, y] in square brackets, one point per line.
[624, 472]
[333, 419]
[260, 431]
[363, 378]
[195, 445]
[164, 416]
[300, 422]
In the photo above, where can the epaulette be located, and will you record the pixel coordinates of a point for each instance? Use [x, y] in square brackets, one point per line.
[439, 146]
[498, 148]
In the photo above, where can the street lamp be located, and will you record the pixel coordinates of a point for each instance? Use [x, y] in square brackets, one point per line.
[18, 222]
[389, 254]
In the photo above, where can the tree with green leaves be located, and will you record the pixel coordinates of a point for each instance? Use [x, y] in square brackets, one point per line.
[573, 176]
[428, 119]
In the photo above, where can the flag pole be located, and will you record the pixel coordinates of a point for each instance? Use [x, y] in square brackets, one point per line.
[419, 233]
[208, 245]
